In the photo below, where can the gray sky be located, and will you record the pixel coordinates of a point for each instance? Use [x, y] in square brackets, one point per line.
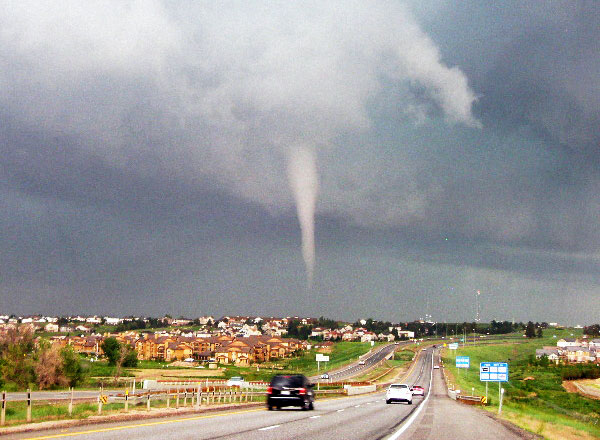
[145, 147]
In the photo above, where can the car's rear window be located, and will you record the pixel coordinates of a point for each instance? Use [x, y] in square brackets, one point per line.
[398, 386]
[288, 381]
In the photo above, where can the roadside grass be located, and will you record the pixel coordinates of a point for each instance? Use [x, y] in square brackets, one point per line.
[534, 393]
[16, 412]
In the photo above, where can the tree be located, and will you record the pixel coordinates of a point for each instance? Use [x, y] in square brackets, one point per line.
[530, 330]
[540, 332]
[131, 359]
[16, 356]
[49, 368]
[112, 350]
[72, 367]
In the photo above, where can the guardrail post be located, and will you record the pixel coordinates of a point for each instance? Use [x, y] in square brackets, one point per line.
[3, 415]
[198, 397]
[28, 405]
[71, 403]
[185, 397]
[168, 398]
[177, 400]
[126, 402]
[148, 402]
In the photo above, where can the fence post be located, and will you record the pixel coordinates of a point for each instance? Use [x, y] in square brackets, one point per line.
[28, 405]
[185, 397]
[198, 397]
[99, 400]
[126, 401]
[148, 402]
[71, 403]
[230, 395]
[3, 416]
[177, 400]
[168, 398]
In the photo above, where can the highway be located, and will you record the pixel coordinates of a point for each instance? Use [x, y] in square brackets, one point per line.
[355, 368]
[357, 417]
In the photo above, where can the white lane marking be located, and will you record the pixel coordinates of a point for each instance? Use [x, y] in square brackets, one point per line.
[356, 406]
[315, 417]
[412, 418]
[269, 427]
[368, 403]
[340, 410]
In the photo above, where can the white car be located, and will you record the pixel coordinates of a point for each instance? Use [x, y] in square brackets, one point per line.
[361, 362]
[235, 381]
[398, 392]
[418, 390]
[436, 367]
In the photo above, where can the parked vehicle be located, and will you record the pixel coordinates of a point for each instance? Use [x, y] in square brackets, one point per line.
[293, 390]
[324, 376]
[361, 362]
[398, 392]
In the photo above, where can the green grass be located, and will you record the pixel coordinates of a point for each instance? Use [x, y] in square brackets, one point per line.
[16, 412]
[542, 398]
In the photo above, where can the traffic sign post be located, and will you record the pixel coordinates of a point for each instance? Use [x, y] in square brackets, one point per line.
[462, 362]
[494, 372]
[321, 358]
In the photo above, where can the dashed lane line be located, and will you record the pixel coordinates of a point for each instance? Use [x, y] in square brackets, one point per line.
[266, 428]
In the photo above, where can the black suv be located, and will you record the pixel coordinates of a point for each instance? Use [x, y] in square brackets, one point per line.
[293, 390]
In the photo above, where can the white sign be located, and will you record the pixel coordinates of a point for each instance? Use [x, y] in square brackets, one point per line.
[493, 372]
[322, 358]
[453, 346]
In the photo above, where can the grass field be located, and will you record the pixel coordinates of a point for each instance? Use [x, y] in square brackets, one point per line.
[534, 396]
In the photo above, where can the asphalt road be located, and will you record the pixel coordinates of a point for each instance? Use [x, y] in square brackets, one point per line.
[356, 417]
[433, 416]
[356, 369]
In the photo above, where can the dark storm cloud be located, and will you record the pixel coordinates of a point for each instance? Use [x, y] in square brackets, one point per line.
[144, 147]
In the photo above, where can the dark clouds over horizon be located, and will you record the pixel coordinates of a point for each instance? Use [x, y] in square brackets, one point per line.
[144, 150]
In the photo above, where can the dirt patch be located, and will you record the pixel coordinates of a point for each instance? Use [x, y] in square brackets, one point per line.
[165, 373]
[582, 387]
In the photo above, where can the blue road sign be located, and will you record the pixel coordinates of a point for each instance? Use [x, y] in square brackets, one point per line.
[463, 362]
[493, 372]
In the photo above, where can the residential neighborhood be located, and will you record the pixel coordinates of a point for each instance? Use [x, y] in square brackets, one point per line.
[571, 350]
[236, 340]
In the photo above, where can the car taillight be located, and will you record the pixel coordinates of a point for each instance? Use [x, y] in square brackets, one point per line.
[302, 391]
[269, 390]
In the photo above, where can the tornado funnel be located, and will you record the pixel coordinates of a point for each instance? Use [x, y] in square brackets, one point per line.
[304, 181]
